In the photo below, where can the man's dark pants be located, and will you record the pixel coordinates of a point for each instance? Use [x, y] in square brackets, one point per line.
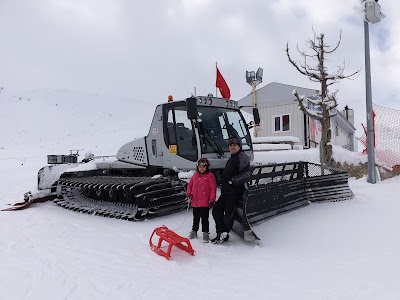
[224, 211]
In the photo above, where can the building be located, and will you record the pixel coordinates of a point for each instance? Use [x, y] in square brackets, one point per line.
[280, 116]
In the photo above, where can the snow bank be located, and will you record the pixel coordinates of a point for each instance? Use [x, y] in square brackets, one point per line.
[342, 156]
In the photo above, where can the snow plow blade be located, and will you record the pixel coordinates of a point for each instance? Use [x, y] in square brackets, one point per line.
[279, 188]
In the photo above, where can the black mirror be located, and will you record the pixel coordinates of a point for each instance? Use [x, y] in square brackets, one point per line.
[191, 108]
[256, 116]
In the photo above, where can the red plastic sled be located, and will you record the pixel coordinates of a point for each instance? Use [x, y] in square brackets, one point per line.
[172, 238]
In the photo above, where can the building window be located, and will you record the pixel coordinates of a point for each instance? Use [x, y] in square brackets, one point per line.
[281, 123]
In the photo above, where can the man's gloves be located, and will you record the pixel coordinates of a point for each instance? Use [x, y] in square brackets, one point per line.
[230, 182]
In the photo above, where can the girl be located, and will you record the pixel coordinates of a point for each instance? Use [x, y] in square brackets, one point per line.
[201, 193]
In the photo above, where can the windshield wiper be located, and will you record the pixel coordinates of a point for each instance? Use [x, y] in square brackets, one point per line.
[219, 149]
[214, 145]
[229, 128]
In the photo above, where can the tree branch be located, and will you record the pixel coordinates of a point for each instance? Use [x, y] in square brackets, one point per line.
[338, 43]
[303, 108]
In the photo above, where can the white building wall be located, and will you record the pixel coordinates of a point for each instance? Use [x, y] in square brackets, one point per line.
[341, 138]
[277, 99]
[296, 121]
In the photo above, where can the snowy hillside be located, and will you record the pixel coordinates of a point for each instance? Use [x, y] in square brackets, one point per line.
[49, 121]
[340, 250]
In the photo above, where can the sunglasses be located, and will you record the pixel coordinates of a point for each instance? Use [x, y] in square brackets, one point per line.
[202, 165]
[233, 141]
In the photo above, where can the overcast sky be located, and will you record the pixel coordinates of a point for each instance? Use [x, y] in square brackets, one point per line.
[146, 50]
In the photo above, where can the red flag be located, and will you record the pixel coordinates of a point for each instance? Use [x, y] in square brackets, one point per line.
[222, 86]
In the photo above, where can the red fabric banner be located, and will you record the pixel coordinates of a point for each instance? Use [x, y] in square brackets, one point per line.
[222, 86]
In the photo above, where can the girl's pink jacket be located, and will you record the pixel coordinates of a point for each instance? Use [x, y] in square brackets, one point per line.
[202, 188]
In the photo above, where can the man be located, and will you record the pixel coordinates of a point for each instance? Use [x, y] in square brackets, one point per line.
[235, 174]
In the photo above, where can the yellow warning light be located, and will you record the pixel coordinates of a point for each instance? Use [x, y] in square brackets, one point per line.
[170, 98]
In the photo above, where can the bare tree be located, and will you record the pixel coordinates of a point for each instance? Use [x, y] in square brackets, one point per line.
[325, 106]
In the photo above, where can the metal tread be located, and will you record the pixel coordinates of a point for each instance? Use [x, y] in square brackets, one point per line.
[150, 197]
[74, 200]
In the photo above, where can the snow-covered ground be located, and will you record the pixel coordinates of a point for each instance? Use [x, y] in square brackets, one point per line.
[341, 250]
